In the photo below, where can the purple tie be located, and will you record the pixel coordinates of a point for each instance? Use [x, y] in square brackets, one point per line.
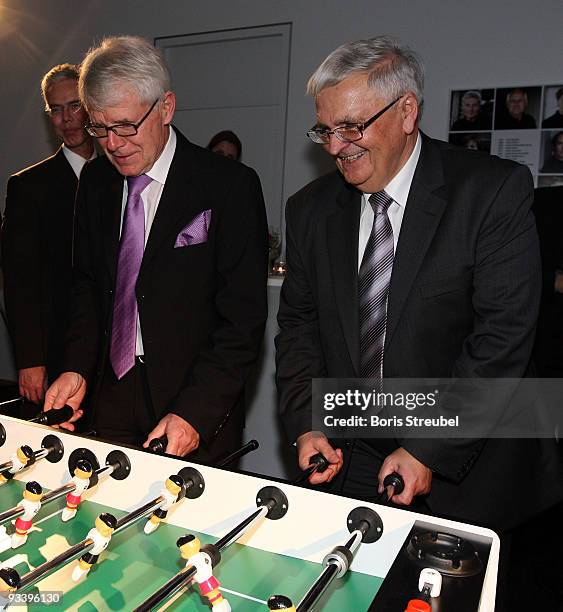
[131, 247]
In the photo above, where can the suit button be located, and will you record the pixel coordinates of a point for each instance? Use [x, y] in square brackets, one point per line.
[106, 332]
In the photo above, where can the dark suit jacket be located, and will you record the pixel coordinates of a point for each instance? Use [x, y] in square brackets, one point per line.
[202, 308]
[463, 303]
[36, 260]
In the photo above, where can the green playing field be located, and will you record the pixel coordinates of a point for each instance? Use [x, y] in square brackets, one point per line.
[135, 565]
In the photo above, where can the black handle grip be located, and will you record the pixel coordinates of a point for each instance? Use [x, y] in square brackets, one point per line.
[317, 463]
[243, 450]
[394, 480]
[55, 416]
[158, 445]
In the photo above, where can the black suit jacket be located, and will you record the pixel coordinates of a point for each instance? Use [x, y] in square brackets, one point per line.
[202, 308]
[463, 303]
[36, 260]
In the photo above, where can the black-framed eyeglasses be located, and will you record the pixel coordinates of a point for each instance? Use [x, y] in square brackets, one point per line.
[57, 110]
[347, 133]
[119, 129]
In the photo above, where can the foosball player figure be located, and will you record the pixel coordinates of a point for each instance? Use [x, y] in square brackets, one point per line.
[81, 479]
[101, 534]
[190, 549]
[20, 459]
[280, 602]
[172, 488]
[31, 504]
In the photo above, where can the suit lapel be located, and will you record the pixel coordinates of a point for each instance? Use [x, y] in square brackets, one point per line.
[425, 206]
[342, 234]
[179, 196]
[111, 220]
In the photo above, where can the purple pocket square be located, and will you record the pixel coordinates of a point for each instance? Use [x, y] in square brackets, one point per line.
[195, 231]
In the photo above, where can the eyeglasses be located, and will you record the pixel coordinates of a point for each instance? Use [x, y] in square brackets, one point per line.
[58, 109]
[119, 129]
[346, 133]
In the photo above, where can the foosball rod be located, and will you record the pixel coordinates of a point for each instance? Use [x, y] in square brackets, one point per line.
[366, 526]
[55, 494]
[52, 449]
[193, 482]
[193, 488]
[272, 504]
[158, 446]
[43, 570]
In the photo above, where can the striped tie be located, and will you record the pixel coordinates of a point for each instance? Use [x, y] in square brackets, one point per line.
[373, 287]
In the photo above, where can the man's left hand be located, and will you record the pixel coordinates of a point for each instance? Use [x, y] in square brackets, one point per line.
[416, 476]
[182, 437]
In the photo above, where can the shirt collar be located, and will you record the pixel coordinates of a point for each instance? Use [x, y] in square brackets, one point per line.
[161, 166]
[76, 161]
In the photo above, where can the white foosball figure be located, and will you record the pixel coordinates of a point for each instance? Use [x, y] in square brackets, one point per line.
[430, 582]
[20, 459]
[101, 534]
[190, 547]
[81, 480]
[31, 504]
[171, 490]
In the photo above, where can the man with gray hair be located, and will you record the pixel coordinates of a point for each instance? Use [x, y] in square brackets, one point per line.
[414, 259]
[37, 238]
[169, 292]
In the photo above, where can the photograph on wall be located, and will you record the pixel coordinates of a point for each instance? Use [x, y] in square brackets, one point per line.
[553, 107]
[523, 123]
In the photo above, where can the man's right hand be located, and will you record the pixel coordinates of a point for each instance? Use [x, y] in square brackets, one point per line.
[313, 442]
[69, 388]
[32, 383]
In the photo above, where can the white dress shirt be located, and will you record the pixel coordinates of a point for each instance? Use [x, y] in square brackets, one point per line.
[398, 189]
[151, 198]
[76, 161]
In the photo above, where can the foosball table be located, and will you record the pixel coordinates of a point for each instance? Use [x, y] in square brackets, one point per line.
[89, 525]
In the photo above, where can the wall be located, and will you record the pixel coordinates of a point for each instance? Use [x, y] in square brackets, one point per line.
[481, 43]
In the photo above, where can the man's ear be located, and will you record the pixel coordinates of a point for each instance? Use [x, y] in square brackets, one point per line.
[410, 110]
[168, 107]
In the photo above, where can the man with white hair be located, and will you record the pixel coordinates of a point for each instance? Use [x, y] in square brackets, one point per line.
[169, 294]
[414, 259]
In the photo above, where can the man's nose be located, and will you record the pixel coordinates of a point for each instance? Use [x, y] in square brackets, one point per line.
[68, 115]
[114, 141]
[334, 146]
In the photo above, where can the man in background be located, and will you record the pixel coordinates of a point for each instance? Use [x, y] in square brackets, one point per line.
[170, 266]
[37, 238]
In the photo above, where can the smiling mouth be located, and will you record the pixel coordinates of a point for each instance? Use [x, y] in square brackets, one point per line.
[348, 159]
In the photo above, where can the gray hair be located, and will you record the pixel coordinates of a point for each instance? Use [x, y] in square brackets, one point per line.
[472, 93]
[58, 73]
[122, 61]
[394, 69]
